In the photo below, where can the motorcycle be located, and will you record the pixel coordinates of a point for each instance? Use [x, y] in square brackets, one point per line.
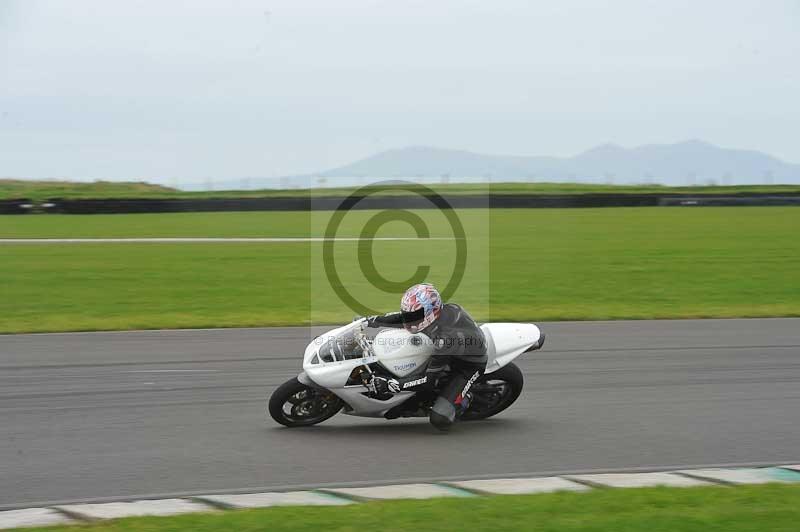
[339, 366]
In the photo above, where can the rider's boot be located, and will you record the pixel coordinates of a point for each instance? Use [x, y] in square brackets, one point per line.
[443, 414]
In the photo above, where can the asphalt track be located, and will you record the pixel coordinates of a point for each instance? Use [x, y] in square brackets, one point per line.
[103, 416]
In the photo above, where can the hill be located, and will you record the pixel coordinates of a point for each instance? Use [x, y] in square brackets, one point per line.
[40, 190]
[684, 163]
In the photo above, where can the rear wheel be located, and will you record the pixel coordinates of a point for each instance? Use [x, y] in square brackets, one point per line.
[494, 392]
[296, 405]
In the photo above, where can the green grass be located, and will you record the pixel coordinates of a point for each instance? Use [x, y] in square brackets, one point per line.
[42, 190]
[765, 508]
[542, 264]
[196, 224]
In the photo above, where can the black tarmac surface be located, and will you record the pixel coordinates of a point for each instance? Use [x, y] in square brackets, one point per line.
[101, 416]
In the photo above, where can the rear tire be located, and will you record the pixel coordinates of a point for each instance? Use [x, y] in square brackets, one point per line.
[494, 392]
[294, 404]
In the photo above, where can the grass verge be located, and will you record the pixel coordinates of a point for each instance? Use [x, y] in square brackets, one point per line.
[548, 264]
[761, 508]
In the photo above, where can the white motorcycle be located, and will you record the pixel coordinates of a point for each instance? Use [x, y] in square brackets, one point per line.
[339, 365]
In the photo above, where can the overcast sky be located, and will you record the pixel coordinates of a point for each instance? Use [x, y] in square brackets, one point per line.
[186, 91]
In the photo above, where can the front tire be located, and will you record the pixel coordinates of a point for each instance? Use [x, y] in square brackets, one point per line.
[294, 404]
[494, 392]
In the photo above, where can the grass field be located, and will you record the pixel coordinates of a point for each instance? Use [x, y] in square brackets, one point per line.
[763, 508]
[42, 190]
[542, 264]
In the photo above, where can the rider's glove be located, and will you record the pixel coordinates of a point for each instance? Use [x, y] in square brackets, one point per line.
[382, 385]
[371, 321]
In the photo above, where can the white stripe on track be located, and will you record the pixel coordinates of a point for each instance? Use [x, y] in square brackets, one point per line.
[199, 240]
[172, 371]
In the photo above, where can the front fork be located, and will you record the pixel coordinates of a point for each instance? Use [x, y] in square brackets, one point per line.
[303, 378]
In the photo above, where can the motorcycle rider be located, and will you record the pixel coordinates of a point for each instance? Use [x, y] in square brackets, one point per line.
[458, 342]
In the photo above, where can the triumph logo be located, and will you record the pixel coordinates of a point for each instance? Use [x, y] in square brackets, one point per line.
[407, 365]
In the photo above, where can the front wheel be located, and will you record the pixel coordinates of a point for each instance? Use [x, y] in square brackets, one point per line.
[494, 392]
[296, 405]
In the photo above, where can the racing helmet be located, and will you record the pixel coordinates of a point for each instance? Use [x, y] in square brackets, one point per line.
[420, 307]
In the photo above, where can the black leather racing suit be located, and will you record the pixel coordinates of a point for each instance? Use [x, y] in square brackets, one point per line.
[460, 344]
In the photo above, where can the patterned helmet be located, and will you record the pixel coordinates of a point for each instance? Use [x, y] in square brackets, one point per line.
[421, 305]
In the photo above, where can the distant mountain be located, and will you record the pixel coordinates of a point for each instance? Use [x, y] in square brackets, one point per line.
[692, 162]
[682, 163]
[423, 161]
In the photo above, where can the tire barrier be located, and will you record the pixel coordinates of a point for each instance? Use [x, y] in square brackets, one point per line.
[736, 201]
[306, 203]
[21, 206]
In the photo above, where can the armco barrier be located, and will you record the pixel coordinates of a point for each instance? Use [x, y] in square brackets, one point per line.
[305, 203]
[21, 206]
